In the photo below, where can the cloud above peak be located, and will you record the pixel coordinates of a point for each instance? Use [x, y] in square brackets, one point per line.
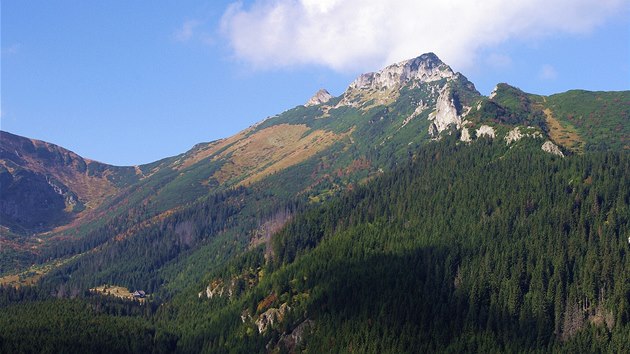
[351, 34]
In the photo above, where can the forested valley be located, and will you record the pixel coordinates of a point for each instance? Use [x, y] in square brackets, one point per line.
[463, 247]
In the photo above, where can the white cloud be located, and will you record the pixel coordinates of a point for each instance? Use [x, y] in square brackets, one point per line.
[547, 72]
[364, 34]
[186, 31]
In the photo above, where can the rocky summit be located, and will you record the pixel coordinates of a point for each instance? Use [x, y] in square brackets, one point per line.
[425, 68]
[321, 96]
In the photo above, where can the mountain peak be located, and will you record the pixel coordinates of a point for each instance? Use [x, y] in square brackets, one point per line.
[425, 68]
[321, 96]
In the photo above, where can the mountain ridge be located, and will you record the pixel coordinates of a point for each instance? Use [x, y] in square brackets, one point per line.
[381, 118]
[73, 183]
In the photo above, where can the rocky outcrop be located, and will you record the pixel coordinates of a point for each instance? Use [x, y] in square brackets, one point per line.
[552, 148]
[485, 130]
[289, 342]
[445, 114]
[516, 134]
[233, 286]
[513, 135]
[493, 93]
[321, 96]
[465, 137]
[245, 316]
[216, 288]
[270, 317]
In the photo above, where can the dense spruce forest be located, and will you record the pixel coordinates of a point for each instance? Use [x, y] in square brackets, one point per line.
[463, 247]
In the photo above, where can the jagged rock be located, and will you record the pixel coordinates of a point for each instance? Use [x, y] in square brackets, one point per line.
[465, 137]
[321, 96]
[493, 93]
[215, 288]
[466, 111]
[70, 199]
[486, 130]
[232, 287]
[291, 341]
[552, 148]
[270, 317]
[445, 114]
[384, 87]
[425, 68]
[515, 135]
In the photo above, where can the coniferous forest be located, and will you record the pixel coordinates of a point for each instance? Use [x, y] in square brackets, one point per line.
[458, 248]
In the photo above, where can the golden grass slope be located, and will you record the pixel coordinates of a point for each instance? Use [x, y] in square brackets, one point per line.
[202, 152]
[270, 150]
[564, 135]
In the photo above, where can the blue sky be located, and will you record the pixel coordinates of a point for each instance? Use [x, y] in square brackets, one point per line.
[125, 82]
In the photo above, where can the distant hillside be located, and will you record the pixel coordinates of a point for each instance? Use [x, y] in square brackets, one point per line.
[44, 185]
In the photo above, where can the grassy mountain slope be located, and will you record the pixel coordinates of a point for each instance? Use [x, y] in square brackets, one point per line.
[44, 185]
[601, 120]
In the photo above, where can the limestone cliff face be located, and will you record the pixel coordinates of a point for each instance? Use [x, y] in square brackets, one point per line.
[425, 68]
[552, 148]
[513, 135]
[383, 87]
[271, 317]
[445, 114]
[466, 135]
[486, 130]
[516, 134]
